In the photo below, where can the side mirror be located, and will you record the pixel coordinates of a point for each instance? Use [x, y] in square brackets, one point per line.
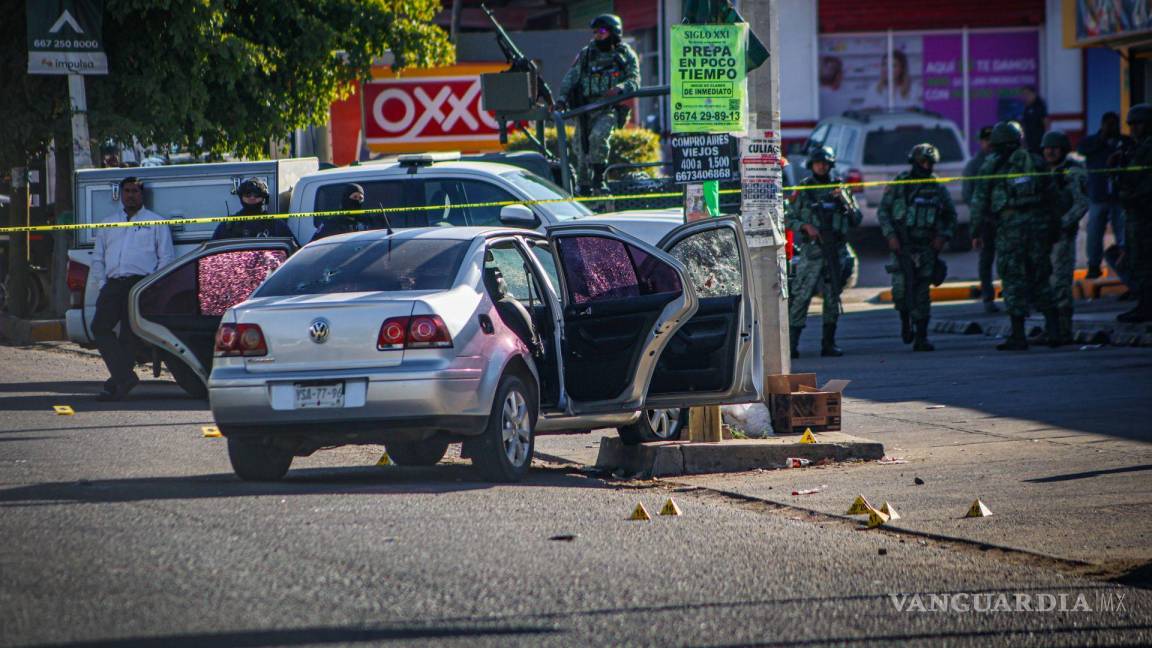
[518, 216]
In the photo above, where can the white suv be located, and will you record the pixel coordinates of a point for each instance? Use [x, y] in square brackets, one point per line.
[874, 145]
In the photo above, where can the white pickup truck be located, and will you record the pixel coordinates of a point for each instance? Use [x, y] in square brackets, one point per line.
[207, 190]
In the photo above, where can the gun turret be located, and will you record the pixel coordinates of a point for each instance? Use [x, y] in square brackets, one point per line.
[519, 62]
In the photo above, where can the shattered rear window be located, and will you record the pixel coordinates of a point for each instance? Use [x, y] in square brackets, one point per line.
[713, 262]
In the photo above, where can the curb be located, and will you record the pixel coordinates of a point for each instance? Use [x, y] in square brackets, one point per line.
[944, 293]
[23, 332]
[1137, 336]
[672, 458]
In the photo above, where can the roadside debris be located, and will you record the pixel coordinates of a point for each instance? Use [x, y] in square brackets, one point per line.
[891, 460]
[811, 491]
[882, 551]
[936, 407]
[978, 509]
[796, 462]
[753, 420]
[566, 537]
[918, 481]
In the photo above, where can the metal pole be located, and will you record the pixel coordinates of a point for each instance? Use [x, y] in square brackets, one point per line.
[18, 279]
[81, 141]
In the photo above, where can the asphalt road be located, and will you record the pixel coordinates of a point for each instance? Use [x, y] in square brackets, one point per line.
[121, 524]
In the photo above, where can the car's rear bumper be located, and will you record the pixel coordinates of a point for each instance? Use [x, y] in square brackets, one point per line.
[381, 406]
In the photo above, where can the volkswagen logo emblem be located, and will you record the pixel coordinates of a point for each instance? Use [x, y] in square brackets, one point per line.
[318, 330]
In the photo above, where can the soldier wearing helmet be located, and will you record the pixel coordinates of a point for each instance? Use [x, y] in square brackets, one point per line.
[1067, 205]
[821, 215]
[254, 197]
[1134, 182]
[918, 219]
[606, 67]
[1011, 198]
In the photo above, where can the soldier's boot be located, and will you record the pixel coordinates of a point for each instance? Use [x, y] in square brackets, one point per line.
[794, 341]
[828, 346]
[1066, 326]
[922, 343]
[906, 327]
[1016, 341]
[1051, 333]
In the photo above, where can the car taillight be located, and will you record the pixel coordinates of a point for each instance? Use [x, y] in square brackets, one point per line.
[240, 340]
[854, 178]
[418, 332]
[77, 280]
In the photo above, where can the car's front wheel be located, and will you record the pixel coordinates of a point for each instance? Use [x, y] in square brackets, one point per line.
[417, 453]
[259, 458]
[504, 452]
[655, 425]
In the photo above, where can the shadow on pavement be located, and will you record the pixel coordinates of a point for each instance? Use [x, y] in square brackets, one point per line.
[1090, 473]
[306, 636]
[151, 395]
[356, 480]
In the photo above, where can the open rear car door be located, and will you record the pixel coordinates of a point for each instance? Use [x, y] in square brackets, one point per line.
[178, 308]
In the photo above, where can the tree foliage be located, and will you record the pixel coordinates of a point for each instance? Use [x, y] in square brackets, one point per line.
[215, 75]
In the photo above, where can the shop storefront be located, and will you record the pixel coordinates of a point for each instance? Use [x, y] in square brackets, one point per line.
[1117, 38]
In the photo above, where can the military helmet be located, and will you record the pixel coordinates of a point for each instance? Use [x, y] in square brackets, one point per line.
[1006, 132]
[254, 185]
[821, 154]
[922, 152]
[1056, 139]
[611, 22]
[1140, 113]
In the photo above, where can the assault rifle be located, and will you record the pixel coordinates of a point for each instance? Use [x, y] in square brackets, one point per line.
[907, 266]
[830, 250]
[520, 63]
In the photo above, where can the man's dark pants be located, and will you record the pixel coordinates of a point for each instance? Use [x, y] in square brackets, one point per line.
[987, 261]
[112, 309]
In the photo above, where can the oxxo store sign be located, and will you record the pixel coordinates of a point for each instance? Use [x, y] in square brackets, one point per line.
[436, 109]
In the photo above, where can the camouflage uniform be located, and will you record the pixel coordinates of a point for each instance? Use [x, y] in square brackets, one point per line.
[826, 209]
[1023, 234]
[1069, 204]
[1135, 190]
[592, 74]
[921, 212]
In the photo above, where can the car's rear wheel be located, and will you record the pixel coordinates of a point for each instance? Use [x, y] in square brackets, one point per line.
[655, 425]
[504, 452]
[417, 453]
[259, 458]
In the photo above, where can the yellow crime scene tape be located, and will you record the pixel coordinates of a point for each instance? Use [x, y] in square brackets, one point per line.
[504, 203]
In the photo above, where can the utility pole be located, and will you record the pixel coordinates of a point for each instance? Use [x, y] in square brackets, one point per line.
[18, 246]
[768, 259]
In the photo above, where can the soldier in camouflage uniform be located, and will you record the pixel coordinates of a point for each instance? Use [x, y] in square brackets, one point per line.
[1013, 202]
[918, 219]
[605, 67]
[820, 219]
[1135, 189]
[1069, 202]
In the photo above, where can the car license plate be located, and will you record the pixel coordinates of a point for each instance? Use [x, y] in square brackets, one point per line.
[310, 396]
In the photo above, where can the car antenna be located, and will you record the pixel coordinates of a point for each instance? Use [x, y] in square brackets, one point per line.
[387, 221]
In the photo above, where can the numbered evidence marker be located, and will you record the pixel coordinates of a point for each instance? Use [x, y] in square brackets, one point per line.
[671, 508]
[889, 511]
[978, 509]
[876, 518]
[211, 432]
[384, 460]
[63, 410]
[808, 436]
[859, 507]
[640, 513]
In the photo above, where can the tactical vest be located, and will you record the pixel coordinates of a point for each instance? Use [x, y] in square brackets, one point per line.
[1022, 192]
[599, 71]
[1064, 196]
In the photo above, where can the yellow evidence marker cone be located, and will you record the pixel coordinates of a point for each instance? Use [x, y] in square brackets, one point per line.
[640, 513]
[63, 410]
[384, 460]
[876, 518]
[211, 432]
[670, 508]
[859, 507]
[889, 511]
[978, 509]
[808, 437]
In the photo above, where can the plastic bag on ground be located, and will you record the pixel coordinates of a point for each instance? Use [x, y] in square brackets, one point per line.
[751, 418]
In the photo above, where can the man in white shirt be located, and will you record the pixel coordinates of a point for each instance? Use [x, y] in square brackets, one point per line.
[123, 256]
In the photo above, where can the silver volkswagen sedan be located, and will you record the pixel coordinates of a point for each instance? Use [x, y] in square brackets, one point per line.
[482, 336]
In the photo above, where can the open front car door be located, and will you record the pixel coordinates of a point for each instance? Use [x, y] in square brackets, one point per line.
[622, 301]
[714, 358]
[178, 308]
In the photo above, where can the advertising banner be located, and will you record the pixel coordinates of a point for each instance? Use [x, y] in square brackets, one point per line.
[64, 37]
[435, 109]
[709, 79]
[700, 157]
[1100, 20]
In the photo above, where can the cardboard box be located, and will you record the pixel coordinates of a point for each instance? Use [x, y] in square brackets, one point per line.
[796, 403]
